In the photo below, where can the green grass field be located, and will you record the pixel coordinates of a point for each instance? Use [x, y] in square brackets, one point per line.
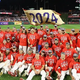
[66, 26]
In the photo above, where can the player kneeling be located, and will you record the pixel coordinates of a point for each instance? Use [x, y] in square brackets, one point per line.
[50, 64]
[18, 62]
[63, 64]
[74, 68]
[37, 68]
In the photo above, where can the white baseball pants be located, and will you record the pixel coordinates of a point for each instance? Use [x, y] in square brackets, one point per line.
[75, 74]
[63, 73]
[43, 73]
[34, 49]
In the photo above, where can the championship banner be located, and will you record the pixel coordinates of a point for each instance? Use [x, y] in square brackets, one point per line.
[18, 23]
[38, 17]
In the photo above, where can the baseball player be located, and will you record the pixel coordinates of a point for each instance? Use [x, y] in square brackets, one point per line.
[64, 37]
[64, 66]
[41, 32]
[2, 35]
[14, 32]
[48, 33]
[50, 63]
[8, 42]
[73, 38]
[28, 62]
[32, 40]
[17, 35]
[23, 40]
[7, 61]
[46, 48]
[74, 68]
[55, 30]
[43, 41]
[8, 33]
[57, 48]
[69, 52]
[37, 68]
[4, 46]
[78, 41]
[18, 62]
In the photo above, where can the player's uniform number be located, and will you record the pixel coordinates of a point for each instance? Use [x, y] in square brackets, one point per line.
[53, 18]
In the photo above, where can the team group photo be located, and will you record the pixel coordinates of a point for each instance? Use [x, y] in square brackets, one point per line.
[40, 40]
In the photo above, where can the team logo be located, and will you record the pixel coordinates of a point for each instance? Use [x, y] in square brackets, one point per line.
[63, 38]
[23, 36]
[73, 38]
[64, 64]
[32, 37]
[76, 66]
[57, 49]
[40, 32]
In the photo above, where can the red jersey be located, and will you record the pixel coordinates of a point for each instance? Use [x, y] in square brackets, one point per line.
[8, 35]
[19, 58]
[41, 33]
[37, 63]
[14, 54]
[15, 44]
[42, 42]
[73, 38]
[46, 50]
[78, 40]
[14, 33]
[55, 32]
[33, 39]
[2, 36]
[63, 64]
[64, 38]
[58, 49]
[75, 65]
[23, 39]
[8, 57]
[51, 61]
[17, 37]
[28, 58]
[9, 44]
[3, 47]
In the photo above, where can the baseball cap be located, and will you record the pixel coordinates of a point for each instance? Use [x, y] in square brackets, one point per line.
[45, 36]
[21, 25]
[55, 25]
[62, 53]
[50, 51]
[75, 55]
[67, 43]
[8, 27]
[47, 29]
[43, 51]
[14, 47]
[63, 29]
[51, 32]
[23, 28]
[4, 40]
[41, 26]
[21, 49]
[18, 29]
[35, 27]
[7, 49]
[46, 43]
[13, 37]
[30, 49]
[0, 27]
[56, 39]
[37, 52]
[73, 30]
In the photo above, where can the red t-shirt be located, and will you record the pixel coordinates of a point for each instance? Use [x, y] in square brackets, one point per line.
[42, 42]
[14, 54]
[78, 40]
[41, 33]
[2, 36]
[33, 39]
[3, 47]
[18, 58]
[75, 65]
[8, 35]
[9, 44]
[63, 64]
[37, 63]
[17, 37]
[23, 39]
[58, 49]
[15, 44]
[73, 38]
[51, 61]
[64, 38]
[28, 58]
[55, 32]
